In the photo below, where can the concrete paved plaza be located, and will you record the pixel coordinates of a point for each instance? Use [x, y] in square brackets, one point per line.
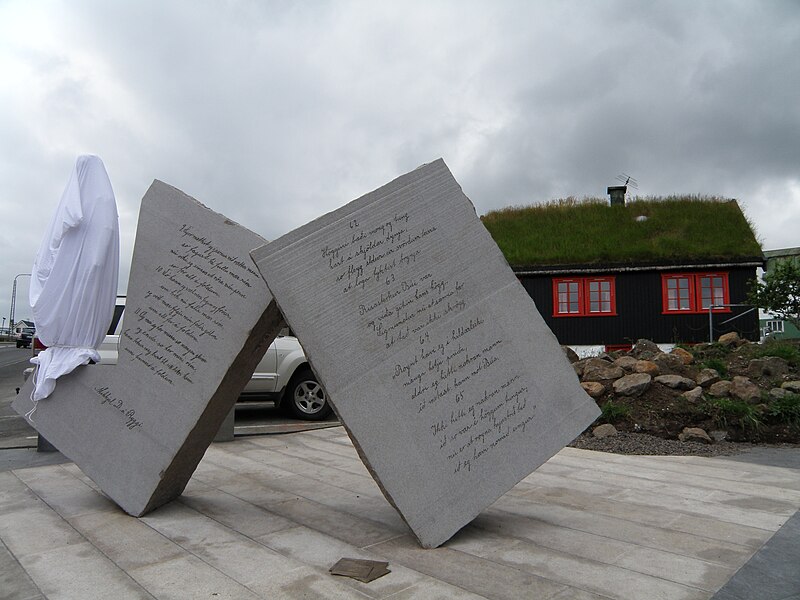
[265, 517]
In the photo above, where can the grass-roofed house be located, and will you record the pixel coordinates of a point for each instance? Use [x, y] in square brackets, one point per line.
[607, 275]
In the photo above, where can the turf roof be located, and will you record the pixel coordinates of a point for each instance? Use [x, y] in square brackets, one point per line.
[590, 232]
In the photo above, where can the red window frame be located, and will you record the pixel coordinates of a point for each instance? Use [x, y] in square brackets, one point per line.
[584, 297]
[692, 293]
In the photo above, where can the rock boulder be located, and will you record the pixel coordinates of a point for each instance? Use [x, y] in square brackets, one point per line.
[720, 389]
[729, 339]
[627, 363]
[694, 395]
[593, 388]
[686, 357]
[707, 377]
[571, 355]
[645, 347]
[668, 363]
[632, 385]
[695, 434]
[778, 393]
[604, 430]
[646, 366]
[744, 389]
[770, 366]
[791, 386]
[597, 369]
[579, 366]
[676, 382]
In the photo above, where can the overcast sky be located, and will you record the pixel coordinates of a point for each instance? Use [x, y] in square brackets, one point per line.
[274, 113]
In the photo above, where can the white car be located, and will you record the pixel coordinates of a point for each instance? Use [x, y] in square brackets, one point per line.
[283, 375]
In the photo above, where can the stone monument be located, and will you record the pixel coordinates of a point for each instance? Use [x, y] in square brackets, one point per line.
[198, 318]
[444, 374]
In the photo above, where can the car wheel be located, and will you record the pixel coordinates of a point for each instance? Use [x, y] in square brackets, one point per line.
[306, 397]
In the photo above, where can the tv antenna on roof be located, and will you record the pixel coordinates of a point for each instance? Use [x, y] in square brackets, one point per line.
[628, 181]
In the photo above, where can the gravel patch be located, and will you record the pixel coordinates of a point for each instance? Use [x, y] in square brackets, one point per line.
[645, 444]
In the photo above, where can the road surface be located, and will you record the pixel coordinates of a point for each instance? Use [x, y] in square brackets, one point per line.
[14, 431]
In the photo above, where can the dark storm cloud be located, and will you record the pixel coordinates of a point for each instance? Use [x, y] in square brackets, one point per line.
[276, 112]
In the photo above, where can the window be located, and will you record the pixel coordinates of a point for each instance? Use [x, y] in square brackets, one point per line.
[678, 293]
[694, 292]
[568, 296]
[584, 297]
[600, 296]
[774, 326]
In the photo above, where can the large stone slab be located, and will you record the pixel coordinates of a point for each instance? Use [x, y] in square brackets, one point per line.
[435, 358]
[198, 319]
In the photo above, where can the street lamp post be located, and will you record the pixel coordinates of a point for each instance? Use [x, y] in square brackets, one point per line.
[14, 301]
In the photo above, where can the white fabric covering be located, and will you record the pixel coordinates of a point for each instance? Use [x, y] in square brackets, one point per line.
[74, 279]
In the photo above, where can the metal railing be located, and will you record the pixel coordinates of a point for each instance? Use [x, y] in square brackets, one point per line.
[733, 318]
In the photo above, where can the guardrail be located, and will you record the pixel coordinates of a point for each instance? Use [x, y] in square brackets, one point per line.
[733, 318]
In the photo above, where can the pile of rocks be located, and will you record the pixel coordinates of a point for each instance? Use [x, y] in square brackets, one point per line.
[646, 371]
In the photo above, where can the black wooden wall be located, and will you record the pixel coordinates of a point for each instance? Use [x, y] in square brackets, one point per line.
[639, 312]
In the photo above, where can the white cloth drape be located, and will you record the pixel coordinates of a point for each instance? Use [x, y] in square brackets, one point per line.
[74, 279]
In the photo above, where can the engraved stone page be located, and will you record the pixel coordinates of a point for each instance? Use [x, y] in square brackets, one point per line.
[435, 358]
[198, 318]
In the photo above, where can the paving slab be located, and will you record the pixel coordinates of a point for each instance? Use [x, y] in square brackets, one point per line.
[14, 581]
[80, 571]
[266, 518]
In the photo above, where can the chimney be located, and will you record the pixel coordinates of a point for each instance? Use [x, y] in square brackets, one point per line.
[617, 193]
